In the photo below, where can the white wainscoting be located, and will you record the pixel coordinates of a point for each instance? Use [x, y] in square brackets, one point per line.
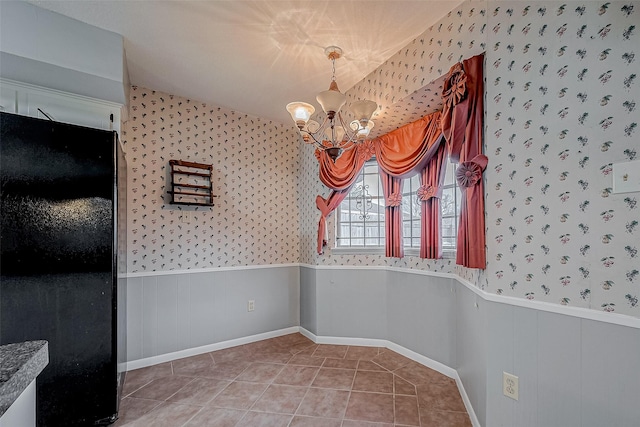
[174, 311]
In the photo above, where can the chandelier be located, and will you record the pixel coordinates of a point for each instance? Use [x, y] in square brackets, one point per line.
[333, 135]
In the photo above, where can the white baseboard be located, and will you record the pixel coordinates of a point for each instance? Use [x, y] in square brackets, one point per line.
[416, 357]
[168, 357]
[467, 403]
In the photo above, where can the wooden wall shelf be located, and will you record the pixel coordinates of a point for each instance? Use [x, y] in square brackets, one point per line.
[190, 185]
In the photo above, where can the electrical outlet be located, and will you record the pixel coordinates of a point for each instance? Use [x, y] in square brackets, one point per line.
[186, 217]
[251, 305]
[510, 385]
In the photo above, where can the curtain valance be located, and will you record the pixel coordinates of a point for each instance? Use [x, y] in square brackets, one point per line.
[406, 150]
[341, 174]
[403, 152]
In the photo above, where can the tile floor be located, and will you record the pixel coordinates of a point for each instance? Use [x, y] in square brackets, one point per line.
[290, 381]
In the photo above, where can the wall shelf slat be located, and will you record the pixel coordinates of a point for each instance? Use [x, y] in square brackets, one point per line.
[187, 176]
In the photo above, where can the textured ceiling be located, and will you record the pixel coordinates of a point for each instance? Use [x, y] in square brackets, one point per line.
[255, 56]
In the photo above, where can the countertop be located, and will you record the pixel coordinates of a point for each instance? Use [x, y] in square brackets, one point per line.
[20, 364]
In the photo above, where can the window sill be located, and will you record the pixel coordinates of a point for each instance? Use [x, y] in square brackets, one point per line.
[354, 250]
[447, 254]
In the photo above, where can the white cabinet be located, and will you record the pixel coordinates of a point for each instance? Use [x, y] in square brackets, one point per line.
[23, 410]
[43, 103]
[8, 99]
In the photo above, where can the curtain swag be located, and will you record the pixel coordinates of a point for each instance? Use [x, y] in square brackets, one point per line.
[422, 147]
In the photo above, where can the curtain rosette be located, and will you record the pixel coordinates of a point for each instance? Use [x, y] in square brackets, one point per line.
[425, 192]
[394, 200]
[455, 86]
[366, 151]
[469, 173]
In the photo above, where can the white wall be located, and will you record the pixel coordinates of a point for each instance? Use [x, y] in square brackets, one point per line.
[308, 300]
[351, 303]
[576, 367]
[472, 348]
[172, 312]
[573, 371]
[47, 49]
[421, 315]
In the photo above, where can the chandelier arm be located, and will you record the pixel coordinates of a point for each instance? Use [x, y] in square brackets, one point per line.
[319, 132]
[348, 145]
[312, 136]
[351, 135]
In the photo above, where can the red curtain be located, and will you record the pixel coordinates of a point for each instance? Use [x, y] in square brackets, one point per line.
[407, 150]
[341, 174]
[392, 188]
[462, 125]
[338, 176]
[429, 193]
[400, 153]
[326, 206]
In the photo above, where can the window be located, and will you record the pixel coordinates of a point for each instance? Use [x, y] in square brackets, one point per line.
[361, 213]
[450, 208]
[411, 212]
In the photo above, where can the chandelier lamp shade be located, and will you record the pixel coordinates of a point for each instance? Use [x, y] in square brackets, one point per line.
[333, 135]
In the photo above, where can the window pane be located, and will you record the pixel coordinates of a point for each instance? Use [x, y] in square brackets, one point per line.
[373, 230]
[361, 216]
[448, 243]
[415, 182]
[357, 242]
[406, 212]
[449, 177]
[380, 211]
[448, 227]
[416, 230]
[406, 229]
[447, 202]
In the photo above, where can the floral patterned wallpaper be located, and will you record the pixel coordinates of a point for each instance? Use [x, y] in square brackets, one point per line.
[560, 110]
[255, 219]
[561, 82]
[561, 94]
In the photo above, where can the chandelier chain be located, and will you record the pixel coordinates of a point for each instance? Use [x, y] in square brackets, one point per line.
[333, 62]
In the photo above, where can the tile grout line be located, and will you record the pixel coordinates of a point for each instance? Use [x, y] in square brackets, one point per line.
[330, 385]
[350, 389]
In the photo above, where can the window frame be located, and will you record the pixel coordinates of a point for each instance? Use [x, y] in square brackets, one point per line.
[379, 197]
[411, 195]
[457, 198]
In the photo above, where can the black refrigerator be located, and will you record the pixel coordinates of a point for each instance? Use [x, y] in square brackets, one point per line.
[63, 262]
